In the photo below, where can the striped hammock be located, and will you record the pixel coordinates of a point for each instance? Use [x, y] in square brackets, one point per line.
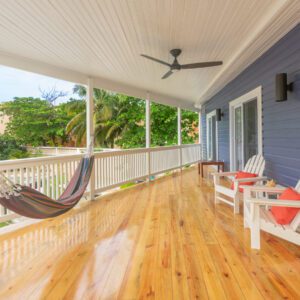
[28, 202]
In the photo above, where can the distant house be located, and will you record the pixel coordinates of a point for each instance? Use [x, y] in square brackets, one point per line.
[3, 122]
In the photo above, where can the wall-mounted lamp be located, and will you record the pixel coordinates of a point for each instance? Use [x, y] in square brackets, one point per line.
[219, 114]
[282, 87]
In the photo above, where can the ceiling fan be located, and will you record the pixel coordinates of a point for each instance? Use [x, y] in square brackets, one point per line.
[175, 66]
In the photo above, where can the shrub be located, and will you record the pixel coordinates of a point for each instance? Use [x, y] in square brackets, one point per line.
[11, 149]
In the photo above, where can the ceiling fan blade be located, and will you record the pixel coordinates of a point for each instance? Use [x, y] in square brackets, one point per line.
[202, 65]
[157, 60]
[169, 73]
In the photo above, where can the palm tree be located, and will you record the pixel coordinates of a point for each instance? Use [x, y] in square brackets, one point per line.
[107, 107]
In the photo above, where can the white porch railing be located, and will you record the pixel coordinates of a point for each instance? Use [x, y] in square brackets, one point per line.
[62, 150]
[50, 175]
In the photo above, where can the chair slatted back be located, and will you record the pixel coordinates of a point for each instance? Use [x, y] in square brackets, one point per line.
[255, 165]
[297, 188]
[296, 222]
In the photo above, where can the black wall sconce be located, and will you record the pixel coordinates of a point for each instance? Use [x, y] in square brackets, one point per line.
[282, 87]
[219, 114]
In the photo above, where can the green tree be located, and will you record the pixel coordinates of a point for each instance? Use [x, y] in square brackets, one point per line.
[11, 149]
[102, 113]
[33, 121]
[130, 122]
[120, 120]
[109, 120]
[163, 125]
[189, 127]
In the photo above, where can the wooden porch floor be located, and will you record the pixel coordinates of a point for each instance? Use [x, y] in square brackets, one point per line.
[163, 240]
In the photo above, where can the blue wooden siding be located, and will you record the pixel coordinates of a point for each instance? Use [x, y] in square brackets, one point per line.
[281, 121]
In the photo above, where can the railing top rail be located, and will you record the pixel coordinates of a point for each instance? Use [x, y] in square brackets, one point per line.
[37, 160]
[67, 157]
[144, 150]
[68, 148]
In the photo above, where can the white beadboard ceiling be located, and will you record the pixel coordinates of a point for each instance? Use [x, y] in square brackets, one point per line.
[103, 39]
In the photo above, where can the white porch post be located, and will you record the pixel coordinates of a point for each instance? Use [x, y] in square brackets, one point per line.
[199, 128]
[179, 137]
[200, 134]
[90, 128]
[148, 133]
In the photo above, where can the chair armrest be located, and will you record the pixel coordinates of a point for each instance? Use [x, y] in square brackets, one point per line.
[284, 203]
[221, 174]
[251, 179]
[275, 190]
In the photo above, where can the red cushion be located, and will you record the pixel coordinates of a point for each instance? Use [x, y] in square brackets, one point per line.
[241, 174]
[285, 215]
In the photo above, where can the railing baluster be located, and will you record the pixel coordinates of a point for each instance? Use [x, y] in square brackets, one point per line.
[52, 181]
[60, 178]
[38, 178]
[48, 180]
[43, 179]
[56, 180]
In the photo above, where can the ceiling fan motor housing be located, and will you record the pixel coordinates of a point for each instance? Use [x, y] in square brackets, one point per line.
[175, 52]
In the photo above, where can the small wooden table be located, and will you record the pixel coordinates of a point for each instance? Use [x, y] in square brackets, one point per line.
[210, 163]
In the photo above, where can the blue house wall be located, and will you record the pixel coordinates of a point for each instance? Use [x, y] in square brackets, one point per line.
[281, 120]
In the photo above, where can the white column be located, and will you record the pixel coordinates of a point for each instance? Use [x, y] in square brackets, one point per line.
[90, 128]
[179, 137]
[148, 133]
[200, 134]
[148, 122]
[179, 126]
[199, 128]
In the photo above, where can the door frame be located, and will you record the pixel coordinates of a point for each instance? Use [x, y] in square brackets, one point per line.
[209, 115]
[253, 94]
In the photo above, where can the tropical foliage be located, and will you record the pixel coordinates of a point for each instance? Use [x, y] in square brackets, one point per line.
[107, 123]
[33, 121]
[11, 149]
[119, 121]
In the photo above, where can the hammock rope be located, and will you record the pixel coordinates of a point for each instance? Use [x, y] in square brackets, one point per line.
[29, 202]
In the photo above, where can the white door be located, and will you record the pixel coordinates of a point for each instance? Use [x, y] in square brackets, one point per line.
[245, 131]
[212, 136]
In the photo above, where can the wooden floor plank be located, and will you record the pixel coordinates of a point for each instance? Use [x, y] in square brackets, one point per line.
[160, 240]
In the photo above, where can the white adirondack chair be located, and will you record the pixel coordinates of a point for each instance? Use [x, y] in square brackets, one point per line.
[256, 165]
[257, 214]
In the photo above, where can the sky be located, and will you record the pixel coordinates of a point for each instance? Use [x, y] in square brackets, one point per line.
[17, 83]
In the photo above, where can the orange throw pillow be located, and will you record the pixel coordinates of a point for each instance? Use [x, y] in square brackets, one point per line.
[240, 175]
[285, 215]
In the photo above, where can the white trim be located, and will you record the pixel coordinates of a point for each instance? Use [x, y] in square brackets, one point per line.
[253, 94]
[208, 116]
[148, 121]
[148, 132]
[179, 136]
[199, 127]
[90, 131]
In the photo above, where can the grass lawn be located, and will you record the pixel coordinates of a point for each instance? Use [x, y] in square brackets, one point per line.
[5, 223]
